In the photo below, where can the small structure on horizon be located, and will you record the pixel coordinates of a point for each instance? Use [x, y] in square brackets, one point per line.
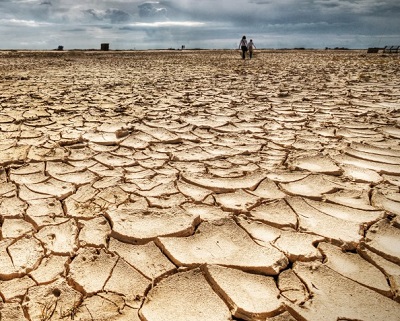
[183, 47]
[105, 46]
[373, 50]
[391, 49]
[60, 48]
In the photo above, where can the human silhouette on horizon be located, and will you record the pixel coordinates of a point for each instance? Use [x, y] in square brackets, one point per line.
[243, 46]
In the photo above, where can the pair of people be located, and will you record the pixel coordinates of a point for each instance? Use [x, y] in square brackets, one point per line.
[247, 46]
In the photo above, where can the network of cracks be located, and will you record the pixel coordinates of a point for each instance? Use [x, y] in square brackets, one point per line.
[195, 186]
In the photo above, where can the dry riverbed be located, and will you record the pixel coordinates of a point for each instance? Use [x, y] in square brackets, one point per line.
[192, 185]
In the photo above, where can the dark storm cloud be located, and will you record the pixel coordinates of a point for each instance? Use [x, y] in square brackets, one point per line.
[209, 23]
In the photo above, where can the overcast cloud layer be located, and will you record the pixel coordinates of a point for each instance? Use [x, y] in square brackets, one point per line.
[209, 24]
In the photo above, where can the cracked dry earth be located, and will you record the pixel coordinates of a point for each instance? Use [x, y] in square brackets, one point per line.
[161, 186]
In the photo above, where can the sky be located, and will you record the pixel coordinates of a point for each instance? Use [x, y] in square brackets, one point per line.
[206, 24]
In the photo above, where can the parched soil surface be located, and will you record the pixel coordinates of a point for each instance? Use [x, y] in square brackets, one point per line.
[192, 185]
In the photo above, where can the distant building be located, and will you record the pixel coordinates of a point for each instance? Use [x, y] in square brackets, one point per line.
[60, 48]
[105, 46]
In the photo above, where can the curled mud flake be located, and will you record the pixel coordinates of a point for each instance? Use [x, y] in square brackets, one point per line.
[59, 239]
[238, 201]
[292, 288]
[7, 268]
[196, 193]
[390, 269]
[316, 222]
[277, 213]
[317, 164]
[15, 228]
[7, 189]
[26, 253]
[103, 306]
[12, 207]
[299, 246]
[147, 258]
[381, 168]
[223, 243]
[78, 178]
[16, 288]
[200, 302]
[113, 161]
[340, 297]
[362, 175]
[54, 188]
[267, 189]
[33, 178]
[12, 311]
[367, 217]
[94, 232]
[13, 154]
[127, 281]
[206, 212]
[352, 199]
[385, 240]
[101, 266]
[313, 186]
[389, 202]
[354, 267]
[134, 225]
[50, 269]
[222, 185]
[249, 296]
[51, 301]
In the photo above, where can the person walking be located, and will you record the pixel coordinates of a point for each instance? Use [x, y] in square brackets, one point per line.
[243, 46]
[251, 46]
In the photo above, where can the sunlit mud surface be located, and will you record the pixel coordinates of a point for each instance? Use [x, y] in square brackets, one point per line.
[183, 185]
